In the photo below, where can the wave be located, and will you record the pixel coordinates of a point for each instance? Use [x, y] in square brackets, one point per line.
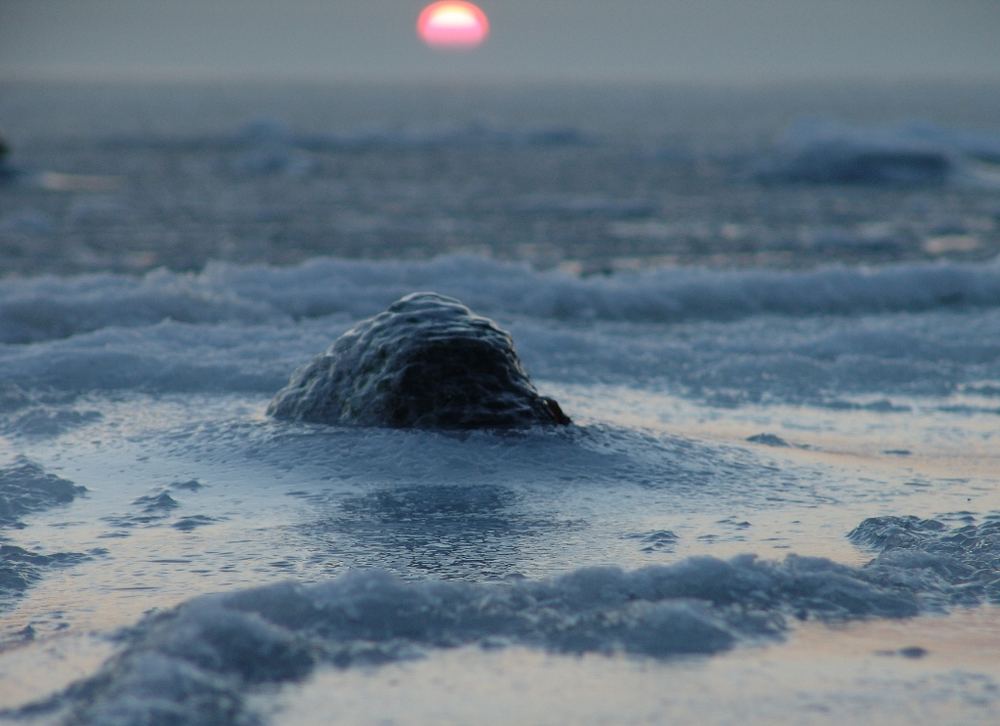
[272, 133]
[44, 308]
[48, 307]
[817, 337]
[203, 661]
[829, 152]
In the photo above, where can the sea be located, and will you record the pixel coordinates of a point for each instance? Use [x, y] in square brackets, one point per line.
[772, 313]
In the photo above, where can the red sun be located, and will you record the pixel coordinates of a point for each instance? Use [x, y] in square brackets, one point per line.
[453, 24]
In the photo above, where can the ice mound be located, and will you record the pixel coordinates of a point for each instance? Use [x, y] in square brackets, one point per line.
[25, 488]
[426, 362]
[827, 152]
[200, 662]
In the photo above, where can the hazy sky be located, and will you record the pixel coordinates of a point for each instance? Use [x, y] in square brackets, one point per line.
[671, 40]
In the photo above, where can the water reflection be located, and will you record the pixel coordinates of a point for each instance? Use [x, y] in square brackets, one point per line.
[450, 531]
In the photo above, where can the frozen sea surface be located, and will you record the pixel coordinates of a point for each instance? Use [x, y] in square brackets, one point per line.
[779, 498]
[838, 423]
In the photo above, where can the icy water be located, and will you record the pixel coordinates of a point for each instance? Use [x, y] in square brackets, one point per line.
[774, 317]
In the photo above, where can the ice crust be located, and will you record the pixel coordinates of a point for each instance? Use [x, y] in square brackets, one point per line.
[198, 662]
[426, 362]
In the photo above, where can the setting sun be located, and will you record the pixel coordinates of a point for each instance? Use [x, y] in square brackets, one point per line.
[453, 24]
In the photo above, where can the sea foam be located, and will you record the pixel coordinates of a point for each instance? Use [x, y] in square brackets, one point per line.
[816, 335]
[42, 308]
[199, 662]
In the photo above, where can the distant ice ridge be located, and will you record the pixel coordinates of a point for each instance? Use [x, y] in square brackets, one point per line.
[829, 152]
[43, 308]
[199, 662]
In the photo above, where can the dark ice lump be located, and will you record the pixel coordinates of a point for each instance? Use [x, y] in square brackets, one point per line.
[426, 362]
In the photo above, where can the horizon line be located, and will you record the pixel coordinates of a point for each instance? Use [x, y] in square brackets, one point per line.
[58, 74]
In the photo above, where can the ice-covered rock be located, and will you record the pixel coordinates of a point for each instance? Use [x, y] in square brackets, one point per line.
[426, 362]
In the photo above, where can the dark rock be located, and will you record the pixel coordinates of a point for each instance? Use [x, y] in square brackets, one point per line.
[426, 362]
